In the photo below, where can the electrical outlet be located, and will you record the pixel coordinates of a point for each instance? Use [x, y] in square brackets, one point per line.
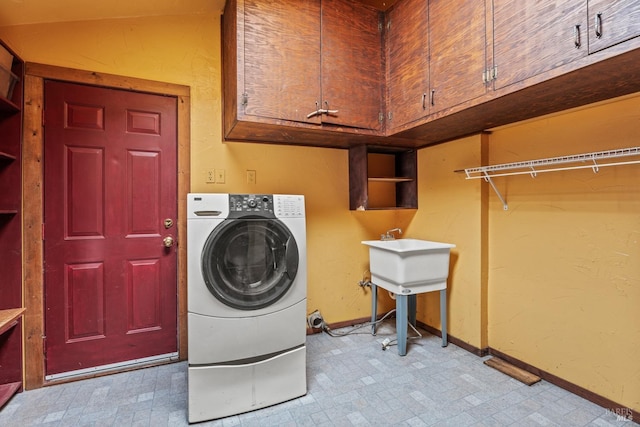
[220, 176]
[211, 176]
[251, 177]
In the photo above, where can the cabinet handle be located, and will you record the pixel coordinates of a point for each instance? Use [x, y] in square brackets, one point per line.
[326, 110]
[598, 25]
[433, 97]
[314, 113]
[576, 36]
[321, 111]
[424, 101]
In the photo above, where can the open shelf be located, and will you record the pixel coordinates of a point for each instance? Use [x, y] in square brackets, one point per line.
[395, 179]
[6, 106]
[9, 318]
[593, 161]
[11, 298]
[382, 178]
[7, 391]
[6, 156]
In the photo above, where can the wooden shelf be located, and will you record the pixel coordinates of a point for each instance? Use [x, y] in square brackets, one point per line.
[7, 391]
[11, 297]
[382, 178]
[9, 318]
[7, 106]
[391, 179]
[7, 156]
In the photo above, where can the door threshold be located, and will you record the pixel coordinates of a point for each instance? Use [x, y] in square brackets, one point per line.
[112, 368]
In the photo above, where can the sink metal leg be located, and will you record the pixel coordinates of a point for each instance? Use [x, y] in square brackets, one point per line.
[443, 316]
[412, 308]
[401, 323]
[374, 308]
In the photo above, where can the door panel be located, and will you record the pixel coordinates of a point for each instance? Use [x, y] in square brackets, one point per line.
[352, 72]
[110, 181]
[407, 62]
[281, 58]
[534, 37]
[615, 21]
[457, 51]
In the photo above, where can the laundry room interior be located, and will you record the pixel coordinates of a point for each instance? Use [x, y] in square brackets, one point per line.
[544, 272]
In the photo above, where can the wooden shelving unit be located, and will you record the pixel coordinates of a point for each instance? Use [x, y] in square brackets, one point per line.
[11, 305]
[382, 178]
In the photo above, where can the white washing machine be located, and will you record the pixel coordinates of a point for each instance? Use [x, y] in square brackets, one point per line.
[247, 290]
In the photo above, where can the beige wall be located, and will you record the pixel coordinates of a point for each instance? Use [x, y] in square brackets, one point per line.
[450, 210]
[552, 282]
[564, 270]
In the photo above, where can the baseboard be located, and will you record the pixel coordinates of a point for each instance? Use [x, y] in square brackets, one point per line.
[480, 352]
[615, 408]
[338, 325]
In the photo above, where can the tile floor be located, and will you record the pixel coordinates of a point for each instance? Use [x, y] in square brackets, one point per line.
[351, 381]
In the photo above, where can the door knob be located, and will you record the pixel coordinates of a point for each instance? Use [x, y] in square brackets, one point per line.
[168, 241]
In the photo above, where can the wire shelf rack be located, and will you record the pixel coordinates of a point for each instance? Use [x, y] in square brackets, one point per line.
[593, 161]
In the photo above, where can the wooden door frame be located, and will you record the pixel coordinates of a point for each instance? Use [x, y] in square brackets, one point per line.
[33, 199]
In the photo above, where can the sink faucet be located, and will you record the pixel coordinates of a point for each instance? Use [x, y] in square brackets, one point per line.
[389, 234]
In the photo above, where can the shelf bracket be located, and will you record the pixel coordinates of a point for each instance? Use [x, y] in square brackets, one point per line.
[488, 179]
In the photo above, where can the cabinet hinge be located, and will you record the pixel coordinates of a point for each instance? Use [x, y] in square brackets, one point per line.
[490, 75]
[245, 99]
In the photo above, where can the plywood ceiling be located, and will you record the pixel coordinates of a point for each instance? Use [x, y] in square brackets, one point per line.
[21, 12]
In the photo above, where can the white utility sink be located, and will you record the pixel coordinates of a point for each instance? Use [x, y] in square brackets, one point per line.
[409, 266]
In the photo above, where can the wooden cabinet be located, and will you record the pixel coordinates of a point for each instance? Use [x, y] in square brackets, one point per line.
[435, 55]
[10, 224]
[352, 64]
[612, 22]
[407, 61]
[531, 38]
[382, 178]
[535, 37]
[440, 71]
[296, 67]
[278, 66]
[457, 52]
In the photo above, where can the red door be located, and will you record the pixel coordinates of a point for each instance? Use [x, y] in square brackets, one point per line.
[110, 204]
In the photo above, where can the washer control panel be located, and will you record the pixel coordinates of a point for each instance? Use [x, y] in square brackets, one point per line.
[288, 206]
[253, 203]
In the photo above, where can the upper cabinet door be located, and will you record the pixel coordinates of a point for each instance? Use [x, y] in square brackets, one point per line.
[532, 37]
[407, 61]
[281, 75]
[458, 51]
[612, 22]
[352, 66]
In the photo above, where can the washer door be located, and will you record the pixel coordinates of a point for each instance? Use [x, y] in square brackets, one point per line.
[249, 263]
